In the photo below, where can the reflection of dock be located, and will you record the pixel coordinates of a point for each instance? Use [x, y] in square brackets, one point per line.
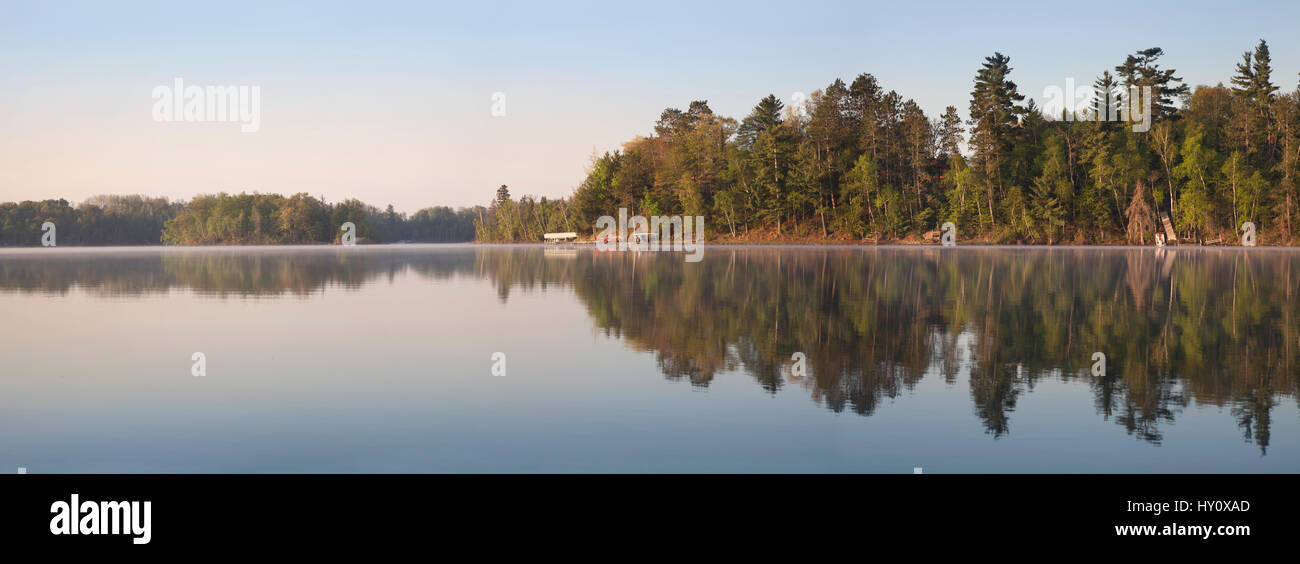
[561, 252]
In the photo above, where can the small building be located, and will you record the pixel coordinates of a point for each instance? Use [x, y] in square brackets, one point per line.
[565, 237]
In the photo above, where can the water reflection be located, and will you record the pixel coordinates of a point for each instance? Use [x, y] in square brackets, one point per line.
[1213, 327]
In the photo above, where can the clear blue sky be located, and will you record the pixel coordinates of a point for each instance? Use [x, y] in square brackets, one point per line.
[389, 101]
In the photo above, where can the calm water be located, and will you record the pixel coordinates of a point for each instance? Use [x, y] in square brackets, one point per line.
[379, 359]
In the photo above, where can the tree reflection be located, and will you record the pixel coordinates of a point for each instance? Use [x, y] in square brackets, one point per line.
[1214, 326]
[1177, 326]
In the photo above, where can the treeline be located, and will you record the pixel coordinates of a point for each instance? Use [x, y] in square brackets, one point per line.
[525, 219]
[226, 219]
[857, 161]
[256, 219]
[100, 220]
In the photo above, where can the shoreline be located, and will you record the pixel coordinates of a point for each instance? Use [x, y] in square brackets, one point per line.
[898, 244]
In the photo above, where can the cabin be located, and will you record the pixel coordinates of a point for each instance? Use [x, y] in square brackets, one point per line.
[565, 237]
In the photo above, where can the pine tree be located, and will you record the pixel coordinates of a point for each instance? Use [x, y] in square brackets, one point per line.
[1140, 69]
[1107, 98]
[995, 117]
[1253, 91]
[764, 117]
[866, 101]
[948, 133]
[770, 155]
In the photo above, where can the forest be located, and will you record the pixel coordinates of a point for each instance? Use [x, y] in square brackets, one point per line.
[857, 162]
[226, 219]
[853, 163]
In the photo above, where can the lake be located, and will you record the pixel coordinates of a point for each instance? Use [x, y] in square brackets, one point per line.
[476, 358]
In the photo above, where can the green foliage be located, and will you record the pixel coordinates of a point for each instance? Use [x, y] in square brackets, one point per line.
[1046, 217]
[861, 161]
[525, 220]
[1197, 173]
[100, 220]
[261, 219]
[226, 219]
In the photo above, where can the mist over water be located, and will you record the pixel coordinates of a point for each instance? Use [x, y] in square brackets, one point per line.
[379, 359]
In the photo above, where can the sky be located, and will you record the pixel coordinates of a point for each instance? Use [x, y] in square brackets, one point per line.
[392, 102]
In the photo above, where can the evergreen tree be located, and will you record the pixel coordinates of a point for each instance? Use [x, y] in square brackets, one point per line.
[995, 117]
[1141, 70]
[948, 133]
